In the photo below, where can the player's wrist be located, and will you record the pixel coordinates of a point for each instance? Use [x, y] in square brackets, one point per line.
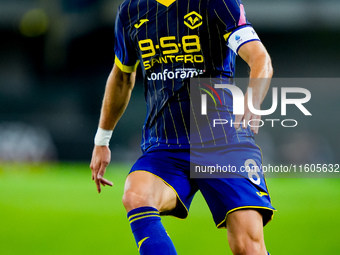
[102, 137]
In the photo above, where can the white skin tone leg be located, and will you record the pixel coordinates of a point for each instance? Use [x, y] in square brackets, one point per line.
[145, 189]
[245, 233]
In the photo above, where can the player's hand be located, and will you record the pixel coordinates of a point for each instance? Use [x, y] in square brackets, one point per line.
[101, 158]
[248, 116]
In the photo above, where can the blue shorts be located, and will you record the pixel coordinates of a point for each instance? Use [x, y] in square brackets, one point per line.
[223, 193]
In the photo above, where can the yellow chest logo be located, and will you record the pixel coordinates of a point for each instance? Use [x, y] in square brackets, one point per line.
[193, 20]
[141, 22]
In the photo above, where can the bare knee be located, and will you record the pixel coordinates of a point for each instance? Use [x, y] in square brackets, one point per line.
[133, 199]
[247, 246]
[145, 189]
[245, 233]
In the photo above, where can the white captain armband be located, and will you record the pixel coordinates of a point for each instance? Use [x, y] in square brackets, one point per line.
[102, 137]
[240, 36]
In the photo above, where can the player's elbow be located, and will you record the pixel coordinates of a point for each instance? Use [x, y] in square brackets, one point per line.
[122, 79]
[269, 66]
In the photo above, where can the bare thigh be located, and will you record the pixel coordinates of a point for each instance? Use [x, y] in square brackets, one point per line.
[145, 189]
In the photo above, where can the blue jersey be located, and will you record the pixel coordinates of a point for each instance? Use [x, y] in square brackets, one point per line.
[175, 41]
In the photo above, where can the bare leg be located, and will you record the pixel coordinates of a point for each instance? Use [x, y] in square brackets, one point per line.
[145, 189]
[245, 233]
[145, 196]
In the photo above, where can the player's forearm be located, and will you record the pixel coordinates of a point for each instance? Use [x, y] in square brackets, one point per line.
[116, 98]
[261, 72]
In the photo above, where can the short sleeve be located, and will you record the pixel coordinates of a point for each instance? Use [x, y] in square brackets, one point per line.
[238, 30]
[126, 58]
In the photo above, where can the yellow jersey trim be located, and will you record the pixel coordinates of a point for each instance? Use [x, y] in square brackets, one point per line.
[186, 209]
[226, 36]
[124, 68]
[244, 207]
[167, 3]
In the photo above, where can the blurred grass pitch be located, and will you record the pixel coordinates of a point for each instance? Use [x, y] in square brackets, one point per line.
[55, 209]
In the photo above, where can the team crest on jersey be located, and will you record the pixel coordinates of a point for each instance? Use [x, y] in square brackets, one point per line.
[193, 20]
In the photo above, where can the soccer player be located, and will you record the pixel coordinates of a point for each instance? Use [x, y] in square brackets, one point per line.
[173, 41]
